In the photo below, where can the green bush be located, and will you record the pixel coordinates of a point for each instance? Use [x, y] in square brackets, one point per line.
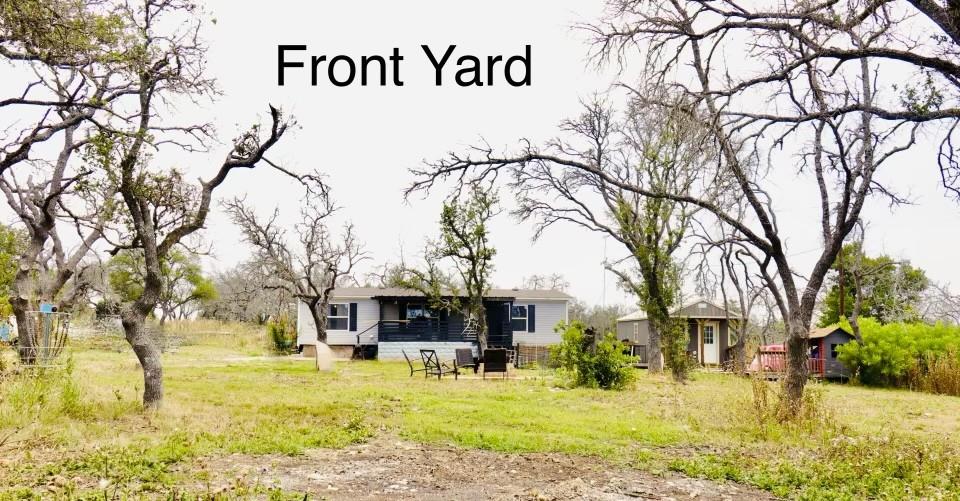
[594, 364]
[283, 335]
[920, 356]
[674, 340]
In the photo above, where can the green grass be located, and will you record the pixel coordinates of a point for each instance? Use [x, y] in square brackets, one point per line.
[72, 428]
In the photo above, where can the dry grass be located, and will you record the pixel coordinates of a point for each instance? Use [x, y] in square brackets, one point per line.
[225, 395]
[940, 374]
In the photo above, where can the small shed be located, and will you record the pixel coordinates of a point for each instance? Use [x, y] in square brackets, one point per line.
[823, 361]
[708, 329]
[823, 348]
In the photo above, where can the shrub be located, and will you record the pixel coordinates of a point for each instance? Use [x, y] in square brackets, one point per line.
[919, 356]
[595, 364]
[674, 340]
[283, 335]
[105, 308]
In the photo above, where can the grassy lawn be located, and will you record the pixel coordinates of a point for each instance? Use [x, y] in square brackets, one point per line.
[79, 431]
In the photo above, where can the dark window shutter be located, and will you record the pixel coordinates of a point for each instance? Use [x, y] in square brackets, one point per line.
[531, 318]
[353, 317]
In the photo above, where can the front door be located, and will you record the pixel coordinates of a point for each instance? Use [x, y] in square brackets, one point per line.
[498, 325]
[711, 343]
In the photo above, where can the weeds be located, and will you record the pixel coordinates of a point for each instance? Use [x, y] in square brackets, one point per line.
[766, 409]
[842, 467]
[938, 373]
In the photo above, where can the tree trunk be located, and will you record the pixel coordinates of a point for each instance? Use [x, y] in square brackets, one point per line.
[26, 347]
[20, 301]
[318, 310]
[483, 330]
[740, 354]
[148, 353]
[133, 318]
[797, 365]
[654, 353]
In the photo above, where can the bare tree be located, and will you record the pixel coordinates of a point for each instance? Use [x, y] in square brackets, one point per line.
[553, 282]
[246, 293]
[63, 55]
[748, 291]
[939, 304]
[600, 318]
[47, 207]
[62, 61]
[311, 271]
[804, 93]
[660, 151]
[161, 210]
[726, 264]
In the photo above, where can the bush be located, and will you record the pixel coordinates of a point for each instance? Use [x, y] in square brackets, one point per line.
[283, 335]
[589, 363]
[919, 356]
[674, 340]
[106, 308]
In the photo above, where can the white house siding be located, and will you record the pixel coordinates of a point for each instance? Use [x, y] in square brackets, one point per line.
[548, 314]
[445, 350]
[368, 315]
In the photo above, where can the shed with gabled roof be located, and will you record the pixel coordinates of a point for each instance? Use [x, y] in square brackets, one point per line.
[708, 325]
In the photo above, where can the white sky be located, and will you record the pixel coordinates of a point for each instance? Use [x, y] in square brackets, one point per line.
[366, 138]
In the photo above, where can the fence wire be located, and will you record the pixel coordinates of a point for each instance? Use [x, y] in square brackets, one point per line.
[43, 338]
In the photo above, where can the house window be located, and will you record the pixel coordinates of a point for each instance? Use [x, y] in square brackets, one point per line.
[833, 350]
[518, 318]
[338, 318]
[419, 311]
[636, 331]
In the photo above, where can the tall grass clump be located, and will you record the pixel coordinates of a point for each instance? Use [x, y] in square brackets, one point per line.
[937, 373]
[766, 412]
[592, 363]
[918, 356]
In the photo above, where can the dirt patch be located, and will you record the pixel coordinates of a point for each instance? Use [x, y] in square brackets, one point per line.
[391, 469]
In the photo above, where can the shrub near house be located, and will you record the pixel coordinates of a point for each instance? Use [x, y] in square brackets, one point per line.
[593, 363]
[919, 356]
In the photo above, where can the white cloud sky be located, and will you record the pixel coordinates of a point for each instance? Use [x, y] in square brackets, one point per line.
[366, 138]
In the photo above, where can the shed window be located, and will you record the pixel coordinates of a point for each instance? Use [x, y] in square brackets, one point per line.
[833, 350]
[636, 331]
[518, 318]
[708, 334]
[338, 317]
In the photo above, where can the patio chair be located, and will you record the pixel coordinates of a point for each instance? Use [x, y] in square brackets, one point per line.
[465, 359]
[434, 367]
[410, 363]
[495, 361]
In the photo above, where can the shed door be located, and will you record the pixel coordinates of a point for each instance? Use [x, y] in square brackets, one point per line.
[711, 343]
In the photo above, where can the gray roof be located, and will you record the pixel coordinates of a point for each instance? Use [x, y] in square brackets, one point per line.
[526, 294]
[641, 315]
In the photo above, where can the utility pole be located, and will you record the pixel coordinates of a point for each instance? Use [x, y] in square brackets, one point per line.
[603, 296]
